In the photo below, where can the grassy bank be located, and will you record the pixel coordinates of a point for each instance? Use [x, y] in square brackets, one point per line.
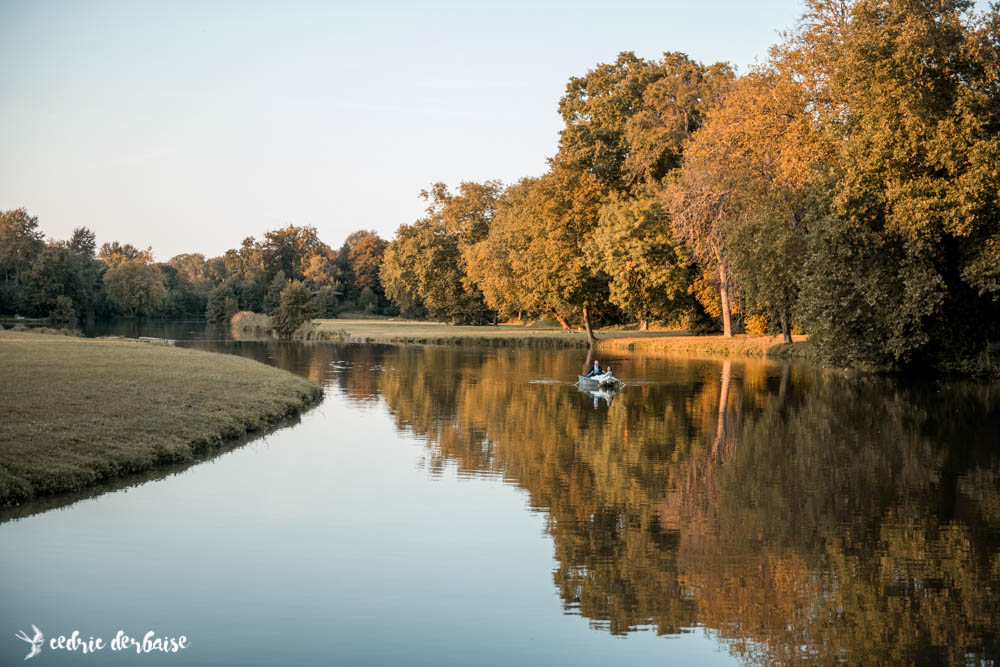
[82, 411]
[436, 333]
[657, 342]
[710, 346]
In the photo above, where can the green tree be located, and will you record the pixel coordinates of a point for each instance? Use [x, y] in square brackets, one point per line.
[626, 122]
[272, 298]
[596, 109]
[20, 242]
[63, 314]
[221, 304]
[83, 242]
[673, 107]
[294, 309]
[136, 286]
[59, 271]
[768, 250]
[325, 302]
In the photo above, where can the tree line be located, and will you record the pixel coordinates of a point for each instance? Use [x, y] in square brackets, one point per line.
[845, 187]
[72, 280]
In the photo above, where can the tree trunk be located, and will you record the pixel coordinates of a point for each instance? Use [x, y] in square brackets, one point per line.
[587, 365]
[786, 326]
[591, 339]
[720, 429]
[727, 324]
[560, 320]
[644, 325]
[783, 387]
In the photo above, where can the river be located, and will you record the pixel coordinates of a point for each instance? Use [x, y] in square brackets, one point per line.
[471, 506]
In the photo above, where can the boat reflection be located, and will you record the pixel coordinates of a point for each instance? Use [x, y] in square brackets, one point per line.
[600, 393]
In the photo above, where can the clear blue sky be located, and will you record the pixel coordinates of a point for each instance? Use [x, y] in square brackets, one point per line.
[188, 126]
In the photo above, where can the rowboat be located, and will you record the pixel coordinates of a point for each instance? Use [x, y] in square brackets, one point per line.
[602, 380]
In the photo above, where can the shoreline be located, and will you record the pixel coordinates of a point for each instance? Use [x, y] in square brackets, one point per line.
[718, 346]
[86, 412]
[664, 342]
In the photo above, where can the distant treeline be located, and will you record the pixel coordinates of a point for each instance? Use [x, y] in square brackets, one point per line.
[847, 187]
[74, 279]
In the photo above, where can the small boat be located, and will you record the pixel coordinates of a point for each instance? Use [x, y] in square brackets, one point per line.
[603, 380]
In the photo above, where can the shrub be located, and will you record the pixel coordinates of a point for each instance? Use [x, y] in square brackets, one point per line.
[294, 309]
[247, 321]
[756, 324]
[368, 300]
[325, 302]
[63, 313]
[221, 305]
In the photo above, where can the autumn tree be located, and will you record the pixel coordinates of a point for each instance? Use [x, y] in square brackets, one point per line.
[113, 253]
[550, 222]
[290, 249]
[760, 158]
[648, 272]
[914, 188]
[425, 265]
[700, 210]
[359, 261]
[673, 107]
[498, 265]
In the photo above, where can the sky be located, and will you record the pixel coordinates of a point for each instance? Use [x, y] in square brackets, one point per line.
[187, 126]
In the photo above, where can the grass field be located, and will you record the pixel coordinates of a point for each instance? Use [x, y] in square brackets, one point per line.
[80, 411]
[418, 332]
[714, 346]
[656, 342]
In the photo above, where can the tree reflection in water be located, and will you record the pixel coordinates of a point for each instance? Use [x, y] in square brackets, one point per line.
[801, 516]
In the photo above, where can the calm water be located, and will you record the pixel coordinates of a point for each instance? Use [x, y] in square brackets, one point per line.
[471, 507]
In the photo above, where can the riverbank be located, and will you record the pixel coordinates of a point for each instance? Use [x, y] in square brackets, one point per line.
[711, 346]
[82, 411]
[415, 332]
[646, 342]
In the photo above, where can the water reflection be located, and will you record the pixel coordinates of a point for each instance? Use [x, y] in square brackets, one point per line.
[804, 517]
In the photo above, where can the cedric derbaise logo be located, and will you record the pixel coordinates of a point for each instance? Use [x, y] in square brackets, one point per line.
[36, 641]
[150, 642]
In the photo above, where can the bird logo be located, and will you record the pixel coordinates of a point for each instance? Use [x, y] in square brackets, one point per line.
[36, 641]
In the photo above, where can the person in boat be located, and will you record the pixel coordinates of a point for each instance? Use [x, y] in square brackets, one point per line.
[596, 370]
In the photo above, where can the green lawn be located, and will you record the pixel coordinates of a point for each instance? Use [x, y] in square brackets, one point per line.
[414, 331]
[78, 411]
